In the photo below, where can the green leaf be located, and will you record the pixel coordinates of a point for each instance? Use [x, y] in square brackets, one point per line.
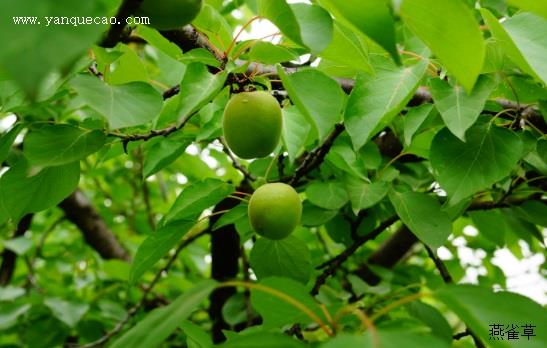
[312, 215]
[307, 25]
[10, 293]
[154, 38]
[23, 191]
[528, 33]
[131, 104]
[347, 48]
[458, 109]
[234, 215]
[431, 316]
[295, 131]
[19, 245]
[317, 96]
[373, 102]
[373, 18]
[196, 335]
[533, 211]
[262, 340]
[342, 156]
[280, 13]
[491, 225]
[386, 338]
[127, 68]
[451, 31]
[328, 195]
[198, 87]
[214, 25]
[463, 169]
[52, 145]
[315, 26]
[268, 53]
[6, 140]
[10, 313]
[537, 6]
[163, 153]
[156, 246]
[422, 214]
[277, 311]
[40, 49]
[506, 42]
[363, 194]
[288, 257]
[69, 313]
[481, 307]
[414, 119]
[160, 323]
[196, 198]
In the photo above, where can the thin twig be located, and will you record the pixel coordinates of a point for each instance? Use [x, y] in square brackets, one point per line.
[235, 162]
[133, 310]
[314, 158]
[447, 278]
[331, 266]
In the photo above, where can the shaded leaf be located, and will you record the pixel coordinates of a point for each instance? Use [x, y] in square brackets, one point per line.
[480, 307]
[23, 191]
[422, 214]
[328, 195]
[363, 194]
[288, 257]
[51, 145]
[488, 155]
[127, 105]
[196, 198]
[161, 322]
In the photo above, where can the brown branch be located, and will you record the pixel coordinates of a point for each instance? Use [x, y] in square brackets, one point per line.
[79, 210]
[188, 38]
[447, 278]
[9, 257]
[331, 266]
[235, 163]
[315, 157]
[114, 34]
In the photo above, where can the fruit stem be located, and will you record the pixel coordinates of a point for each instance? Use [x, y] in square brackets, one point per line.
[234, 40]
[270, 167]
[239, 198]
[243, 193]
[213, 214]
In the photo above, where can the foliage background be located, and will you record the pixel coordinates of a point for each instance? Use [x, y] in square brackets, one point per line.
[414, 131]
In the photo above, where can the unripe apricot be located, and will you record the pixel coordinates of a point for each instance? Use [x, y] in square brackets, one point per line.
[169, 14]
[274, 210]
[252, 124]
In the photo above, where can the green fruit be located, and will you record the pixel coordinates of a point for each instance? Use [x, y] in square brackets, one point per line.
[169, 14]
[252, 124]
[274, 210]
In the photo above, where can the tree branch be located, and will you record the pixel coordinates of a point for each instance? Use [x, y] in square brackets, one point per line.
[79, 210]
[9, 257]
[331, 266]
[114, 34]
[447, 278]
[315, 157]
